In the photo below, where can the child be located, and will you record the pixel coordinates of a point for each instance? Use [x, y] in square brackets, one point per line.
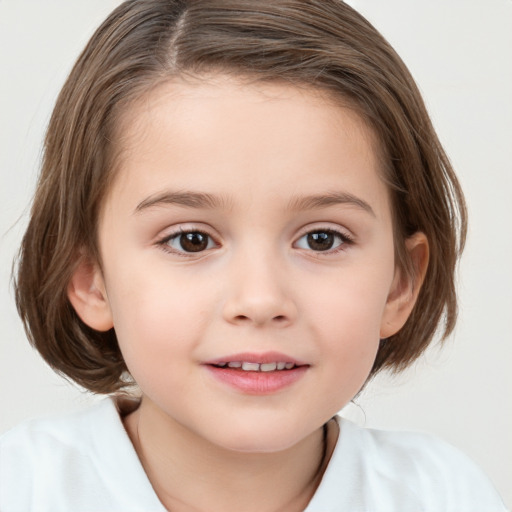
[244, 212]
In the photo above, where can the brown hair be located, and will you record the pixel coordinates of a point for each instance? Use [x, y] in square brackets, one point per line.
[323, 44]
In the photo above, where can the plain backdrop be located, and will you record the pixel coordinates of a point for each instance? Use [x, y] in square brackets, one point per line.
[460, 52]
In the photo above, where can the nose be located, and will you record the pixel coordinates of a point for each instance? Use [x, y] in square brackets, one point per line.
[259, 294]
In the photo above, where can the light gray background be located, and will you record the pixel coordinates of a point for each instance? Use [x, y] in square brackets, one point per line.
[460, 52]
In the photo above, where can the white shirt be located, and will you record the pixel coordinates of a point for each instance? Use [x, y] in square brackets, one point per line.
[85, 462]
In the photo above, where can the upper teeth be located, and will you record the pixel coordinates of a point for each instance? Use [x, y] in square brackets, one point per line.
[257, 367]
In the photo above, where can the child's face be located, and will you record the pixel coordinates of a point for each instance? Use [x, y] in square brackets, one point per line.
[247, 224]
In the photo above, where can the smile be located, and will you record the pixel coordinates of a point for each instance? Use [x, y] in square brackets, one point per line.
[257, 373]
[257, 367]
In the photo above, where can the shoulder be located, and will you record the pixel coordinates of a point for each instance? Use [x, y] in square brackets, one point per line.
[406, 471]
[55, 435]
[79, 461]
[39, 452]
[413, 455]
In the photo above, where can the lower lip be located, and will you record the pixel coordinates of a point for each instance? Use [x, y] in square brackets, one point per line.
[257, 383]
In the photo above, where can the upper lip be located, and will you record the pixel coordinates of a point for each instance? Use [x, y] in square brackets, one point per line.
[255, 357]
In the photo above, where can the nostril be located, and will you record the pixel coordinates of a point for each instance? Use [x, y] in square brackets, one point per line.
[245, 318]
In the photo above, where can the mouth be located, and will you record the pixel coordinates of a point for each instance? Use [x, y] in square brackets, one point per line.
[246, 366]
[255, 374]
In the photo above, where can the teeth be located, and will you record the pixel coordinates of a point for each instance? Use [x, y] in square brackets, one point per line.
[257, 367]
[250, 367]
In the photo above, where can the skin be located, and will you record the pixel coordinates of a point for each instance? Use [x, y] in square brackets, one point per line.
[258, 286]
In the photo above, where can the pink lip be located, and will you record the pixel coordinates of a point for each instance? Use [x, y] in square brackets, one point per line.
[254, 382]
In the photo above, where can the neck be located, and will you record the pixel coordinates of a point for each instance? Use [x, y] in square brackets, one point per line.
[190, 474]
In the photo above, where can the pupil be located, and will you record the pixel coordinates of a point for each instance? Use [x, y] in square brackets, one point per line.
[193, 242]
[321, 241]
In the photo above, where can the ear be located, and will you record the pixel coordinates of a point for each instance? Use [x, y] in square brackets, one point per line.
[88, 296]
[405, 288]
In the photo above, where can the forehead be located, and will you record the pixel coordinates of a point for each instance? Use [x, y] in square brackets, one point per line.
[227, 135]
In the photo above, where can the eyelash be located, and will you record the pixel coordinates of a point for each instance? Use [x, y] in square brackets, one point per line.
[164, 242]
[345, 240]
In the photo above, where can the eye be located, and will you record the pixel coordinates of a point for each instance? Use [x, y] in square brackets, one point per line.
[189, 241]
[322, 240]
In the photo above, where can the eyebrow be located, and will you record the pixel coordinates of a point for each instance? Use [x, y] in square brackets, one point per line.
[191, 199]
[183, 198]
[329, 199]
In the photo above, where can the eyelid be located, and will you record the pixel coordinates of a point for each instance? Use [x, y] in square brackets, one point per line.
[346, 236]
[162, 241]
[328, 227]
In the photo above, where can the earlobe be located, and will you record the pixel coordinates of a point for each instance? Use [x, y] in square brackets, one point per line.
[87, 294]
[405, 288]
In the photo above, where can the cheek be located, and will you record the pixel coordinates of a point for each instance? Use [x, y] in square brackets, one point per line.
[347, 320]
[353, 303]
[348, 334]
[158, 318]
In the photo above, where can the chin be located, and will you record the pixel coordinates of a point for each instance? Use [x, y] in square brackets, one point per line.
[262, 439]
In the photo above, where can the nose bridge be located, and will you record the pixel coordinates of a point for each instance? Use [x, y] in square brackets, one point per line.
[258, 291]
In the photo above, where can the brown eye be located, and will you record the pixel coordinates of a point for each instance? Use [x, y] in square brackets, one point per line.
[321, 241]
[192, 241]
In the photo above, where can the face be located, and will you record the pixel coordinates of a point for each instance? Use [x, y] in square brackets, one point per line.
[248, 226]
